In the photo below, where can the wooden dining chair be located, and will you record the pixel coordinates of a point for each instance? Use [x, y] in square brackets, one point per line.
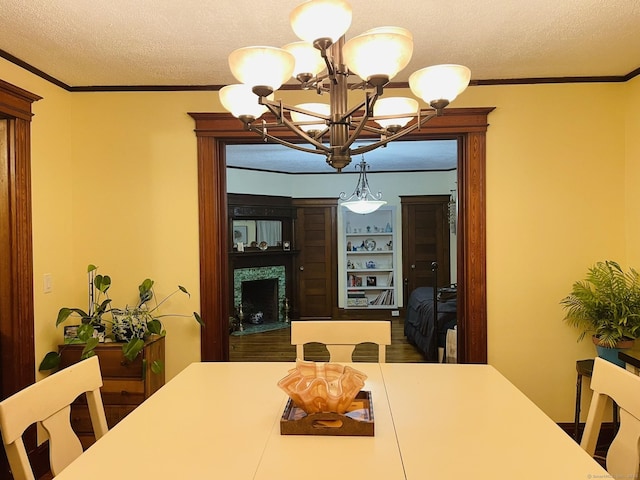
[610, 382]
[341, 336]
[48, 402]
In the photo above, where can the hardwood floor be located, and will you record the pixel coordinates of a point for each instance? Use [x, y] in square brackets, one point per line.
[275, 346]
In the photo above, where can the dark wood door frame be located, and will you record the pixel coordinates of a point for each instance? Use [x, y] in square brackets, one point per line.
[17, 351]
[468, 125]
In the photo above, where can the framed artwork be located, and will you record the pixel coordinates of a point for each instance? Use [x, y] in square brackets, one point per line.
[372, 281]
[240, 235]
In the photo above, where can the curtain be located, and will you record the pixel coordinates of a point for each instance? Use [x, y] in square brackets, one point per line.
[269, 231]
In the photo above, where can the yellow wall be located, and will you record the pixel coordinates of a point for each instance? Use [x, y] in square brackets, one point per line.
[115, 184]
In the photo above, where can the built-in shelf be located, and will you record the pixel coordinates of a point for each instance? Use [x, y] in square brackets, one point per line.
[369, 258]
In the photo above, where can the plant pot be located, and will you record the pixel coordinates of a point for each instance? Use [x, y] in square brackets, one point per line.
[611, 353]
[128, 324]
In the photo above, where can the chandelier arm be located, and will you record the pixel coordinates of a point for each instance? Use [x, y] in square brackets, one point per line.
[302, 134]
[322, 150]
[368, 104]
[395, 136]
[278, 109]
[353, 110]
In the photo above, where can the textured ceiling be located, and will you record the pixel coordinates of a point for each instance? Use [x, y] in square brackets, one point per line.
[186, 42]
[120, 43]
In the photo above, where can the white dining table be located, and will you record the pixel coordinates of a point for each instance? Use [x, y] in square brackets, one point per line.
[436, 421]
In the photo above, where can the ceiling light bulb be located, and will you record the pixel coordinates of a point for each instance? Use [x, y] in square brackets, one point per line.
[319, 108]
[317, 19]
[395, 106]
[241, 101]
[440, 82]
[309, 62]
[262, 66]
[382, 51]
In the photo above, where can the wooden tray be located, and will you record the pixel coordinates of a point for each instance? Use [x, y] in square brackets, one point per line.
[357, 421]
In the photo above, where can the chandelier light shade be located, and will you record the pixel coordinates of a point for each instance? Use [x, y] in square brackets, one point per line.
[362, 200]
[308, 61]
[262, 66]
[316, 19]
[240, 100]
[387, 107]
[440, 82]
[325, 63]
[379, 52]
[303, 119]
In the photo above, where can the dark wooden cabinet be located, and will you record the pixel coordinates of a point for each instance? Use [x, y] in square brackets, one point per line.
[125, 384]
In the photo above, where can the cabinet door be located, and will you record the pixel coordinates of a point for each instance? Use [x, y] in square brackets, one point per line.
[315, 265]
[425, 239]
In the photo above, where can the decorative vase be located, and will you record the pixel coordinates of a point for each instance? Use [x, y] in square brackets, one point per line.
[129, 324]
[611, 353]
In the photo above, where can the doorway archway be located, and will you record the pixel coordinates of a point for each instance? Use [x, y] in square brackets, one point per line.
[215, 130]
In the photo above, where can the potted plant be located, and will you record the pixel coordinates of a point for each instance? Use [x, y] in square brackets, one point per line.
[606, 305]
[131, 325]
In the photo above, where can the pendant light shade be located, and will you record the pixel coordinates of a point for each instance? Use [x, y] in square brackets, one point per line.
[439, 82]
[308, 59]
[262, 66]
[241, 101]
[362, 200]
[320, 108]
[380, 51]
[364, 206]
[317, 19]
[395, 106]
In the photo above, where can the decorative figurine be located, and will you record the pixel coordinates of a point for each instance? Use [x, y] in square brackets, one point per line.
[286, 309]
[240, 318]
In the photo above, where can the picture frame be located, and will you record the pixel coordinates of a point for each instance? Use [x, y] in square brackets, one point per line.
[240, 234]
[372, 281]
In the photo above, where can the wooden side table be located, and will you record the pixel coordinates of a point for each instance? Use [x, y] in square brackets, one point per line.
[126, 384]
[631, 360]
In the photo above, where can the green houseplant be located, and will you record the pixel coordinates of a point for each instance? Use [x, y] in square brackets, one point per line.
[131, 325]
[606, 304]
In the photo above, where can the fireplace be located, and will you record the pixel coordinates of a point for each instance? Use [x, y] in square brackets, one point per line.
[260, 297]
[260, 289]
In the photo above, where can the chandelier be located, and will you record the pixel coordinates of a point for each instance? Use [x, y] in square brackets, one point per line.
[362, 200]
[322, 62]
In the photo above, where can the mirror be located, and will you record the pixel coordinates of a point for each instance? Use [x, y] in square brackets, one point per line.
[252, 232]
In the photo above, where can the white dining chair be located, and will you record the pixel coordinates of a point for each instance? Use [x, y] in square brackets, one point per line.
[48, 402]
[341, 336]
[610, 382]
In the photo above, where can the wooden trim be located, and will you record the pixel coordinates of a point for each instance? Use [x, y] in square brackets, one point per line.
[16, 102]
[17, 351]
[469, 125]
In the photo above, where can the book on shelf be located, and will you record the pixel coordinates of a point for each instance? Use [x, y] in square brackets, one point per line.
[383, 298]
[356, 294]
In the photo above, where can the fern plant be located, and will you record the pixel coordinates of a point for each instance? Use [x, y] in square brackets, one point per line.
[606, 304]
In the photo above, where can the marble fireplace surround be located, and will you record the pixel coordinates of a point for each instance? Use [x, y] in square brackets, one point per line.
[277, 272]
